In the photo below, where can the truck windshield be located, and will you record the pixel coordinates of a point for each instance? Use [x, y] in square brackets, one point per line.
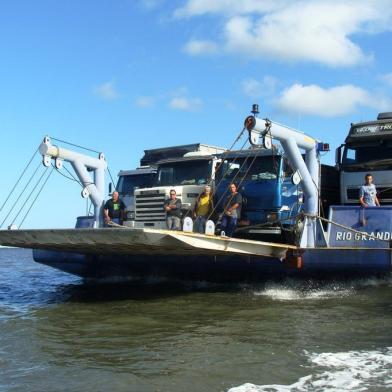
[261, 168]
[196, 172]
[368, 155]
[128, 183]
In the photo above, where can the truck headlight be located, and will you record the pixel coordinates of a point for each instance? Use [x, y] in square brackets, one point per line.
[130, 215]
[272, 217]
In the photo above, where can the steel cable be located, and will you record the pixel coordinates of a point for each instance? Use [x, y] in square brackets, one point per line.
[219, 165]
[17, 181]
[28, 198]
[75, 145]
[234, 178]
[21, 194]
[36, 197]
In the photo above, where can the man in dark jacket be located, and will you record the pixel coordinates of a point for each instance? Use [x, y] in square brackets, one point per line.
[114, 209]
[232, 211]
[172, 206]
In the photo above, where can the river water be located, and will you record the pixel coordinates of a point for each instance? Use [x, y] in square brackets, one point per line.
[58, 333]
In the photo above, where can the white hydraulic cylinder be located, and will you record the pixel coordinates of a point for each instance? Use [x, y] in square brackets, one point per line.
[82, 164]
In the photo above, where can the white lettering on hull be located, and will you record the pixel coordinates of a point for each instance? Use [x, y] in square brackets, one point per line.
[373, 236]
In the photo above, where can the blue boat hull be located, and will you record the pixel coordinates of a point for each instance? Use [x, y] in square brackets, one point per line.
[317, 263]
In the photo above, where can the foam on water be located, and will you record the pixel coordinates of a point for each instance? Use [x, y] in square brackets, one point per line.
[297, 292]
[335, 372]
[294, 290]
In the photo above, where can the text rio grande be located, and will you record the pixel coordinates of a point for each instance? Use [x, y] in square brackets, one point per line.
[352, 236]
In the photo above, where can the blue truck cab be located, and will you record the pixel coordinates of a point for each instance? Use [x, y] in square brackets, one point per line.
[265, 182]
[271, 200]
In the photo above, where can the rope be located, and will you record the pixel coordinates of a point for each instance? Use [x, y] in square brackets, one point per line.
[345, 227]
[36, 197]
[233, 180]
[268, 132]
[227, 170]
[303, 214]
[21, 194]
[219, 165]
[17, 181]
[268, 223]
[113, 224]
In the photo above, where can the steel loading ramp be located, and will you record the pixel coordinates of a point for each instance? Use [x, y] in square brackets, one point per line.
[138, 241]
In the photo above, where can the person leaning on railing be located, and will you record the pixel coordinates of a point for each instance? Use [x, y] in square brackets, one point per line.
[368, 193]
[202, 210]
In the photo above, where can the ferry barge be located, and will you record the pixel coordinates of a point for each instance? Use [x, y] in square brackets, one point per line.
[352, 241]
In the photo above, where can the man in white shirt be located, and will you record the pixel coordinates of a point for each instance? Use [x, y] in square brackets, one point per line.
[368, 193]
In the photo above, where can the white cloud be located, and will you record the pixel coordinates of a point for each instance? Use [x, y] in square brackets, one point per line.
[196, 47]
[228, 7]
[106, 91]
[255, 89]
[332, 102]
[314, 31]
[186, 104]
[145, 102]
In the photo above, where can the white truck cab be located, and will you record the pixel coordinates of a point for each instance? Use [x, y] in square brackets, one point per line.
[128, 182]
[367, 149]
[188, 175]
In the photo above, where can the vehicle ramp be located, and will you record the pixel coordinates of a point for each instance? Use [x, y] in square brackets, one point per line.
[138, 241]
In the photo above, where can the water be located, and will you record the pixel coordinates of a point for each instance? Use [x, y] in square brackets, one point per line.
[59, 334]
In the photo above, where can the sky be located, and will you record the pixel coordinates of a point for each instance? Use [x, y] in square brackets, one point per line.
[127, 75]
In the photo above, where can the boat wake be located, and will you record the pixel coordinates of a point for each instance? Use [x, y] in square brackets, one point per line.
[352, 370]
[294, 290]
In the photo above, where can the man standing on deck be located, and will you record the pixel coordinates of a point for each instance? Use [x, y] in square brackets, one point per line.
[203, 209]
[114, 209]
[232, 211]
[368, 193]
[172, 206]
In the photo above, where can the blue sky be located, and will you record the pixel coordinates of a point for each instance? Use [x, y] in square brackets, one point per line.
[122, 76]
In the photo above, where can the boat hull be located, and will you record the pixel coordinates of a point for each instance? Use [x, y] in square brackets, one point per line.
[143, 253]
[313, 263]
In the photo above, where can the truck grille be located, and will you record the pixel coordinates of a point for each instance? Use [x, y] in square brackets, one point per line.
[149, 207]
[383, 193]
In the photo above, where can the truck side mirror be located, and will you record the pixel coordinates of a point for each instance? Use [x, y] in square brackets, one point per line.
[338, 156]
[110, 187]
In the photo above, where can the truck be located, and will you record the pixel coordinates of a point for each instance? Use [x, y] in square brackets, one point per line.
[187, 174]
[128, 181]
[367, 149]
[145, 176]
[272, 198]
